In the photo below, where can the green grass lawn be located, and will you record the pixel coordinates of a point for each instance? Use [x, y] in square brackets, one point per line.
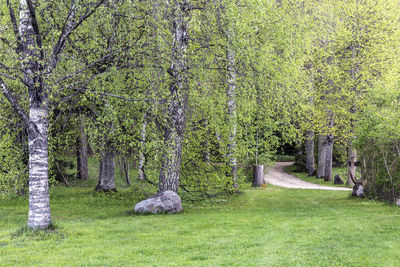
[258, 227]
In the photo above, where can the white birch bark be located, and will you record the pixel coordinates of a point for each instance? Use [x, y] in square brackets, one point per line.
[39, 216]
[39, 203]
[142, 159]
[231, 105]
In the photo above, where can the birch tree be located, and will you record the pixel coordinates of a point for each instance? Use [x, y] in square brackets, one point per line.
[37, 60]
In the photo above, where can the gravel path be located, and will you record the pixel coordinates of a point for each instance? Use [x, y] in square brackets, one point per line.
[277, 176]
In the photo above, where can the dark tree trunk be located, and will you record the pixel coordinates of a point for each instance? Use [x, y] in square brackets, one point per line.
[107, 171]
[321, 156]
[328, 158]
[126, 171]
[82, 154]
[258, 176]
[171, 162]
[310, 159]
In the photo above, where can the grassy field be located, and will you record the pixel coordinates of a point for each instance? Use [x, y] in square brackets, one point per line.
[258, 227]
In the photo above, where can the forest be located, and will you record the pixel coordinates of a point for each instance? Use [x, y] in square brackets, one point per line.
[110, 109]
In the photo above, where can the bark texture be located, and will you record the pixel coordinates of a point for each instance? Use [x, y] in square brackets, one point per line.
[328, 158]
[310, 159]
[39, 204]
[36, 68]
[231, 106]
[29, 50]
[107, 171]
[142, 159]
[178, 71]
[321, 156]
[258, 176]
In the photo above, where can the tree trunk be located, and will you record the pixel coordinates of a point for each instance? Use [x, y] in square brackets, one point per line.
[126, 171]
[39, 203]
[321, 155]
[171, 167]
[82, 154]
[231, 105]
[310, 159]
[258, 176]
[352, 153]
[142, 159]
[328, 158]
[31, 57]
[107, 171]
[179, 88]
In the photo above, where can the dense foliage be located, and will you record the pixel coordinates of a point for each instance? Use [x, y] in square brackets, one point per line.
[256, 75]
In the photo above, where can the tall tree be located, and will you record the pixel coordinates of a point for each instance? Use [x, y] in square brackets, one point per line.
[179, 13]
[37, 63]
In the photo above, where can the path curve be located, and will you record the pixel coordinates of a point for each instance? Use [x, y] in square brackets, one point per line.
[277, 176]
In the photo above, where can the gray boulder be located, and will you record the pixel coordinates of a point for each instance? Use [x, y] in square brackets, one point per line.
[337, 180]
[165, 202]
[358, 190]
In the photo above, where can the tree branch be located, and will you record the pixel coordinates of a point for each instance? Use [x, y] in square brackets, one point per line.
[14, 23]
[87, 67]
[14, 103]
[35, 26]
[69, 26]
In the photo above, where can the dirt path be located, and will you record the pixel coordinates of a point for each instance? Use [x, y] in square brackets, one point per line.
[277, 176]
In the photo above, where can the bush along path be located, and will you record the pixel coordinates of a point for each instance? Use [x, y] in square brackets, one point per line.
[277, 176]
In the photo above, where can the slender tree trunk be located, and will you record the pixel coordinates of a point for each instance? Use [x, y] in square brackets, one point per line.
[231, 105]
[171, 163]
[142, 159]
[328, 158]
[352, 153]
[107, 170]
[310, 159]
[121, 168]
[231, 161]
[82, 154]
[321, 155]
[126, 171]
[329, 150]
